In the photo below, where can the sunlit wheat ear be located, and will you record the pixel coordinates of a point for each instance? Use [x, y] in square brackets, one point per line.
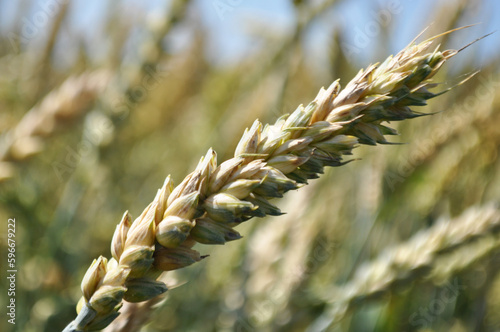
[269, 161]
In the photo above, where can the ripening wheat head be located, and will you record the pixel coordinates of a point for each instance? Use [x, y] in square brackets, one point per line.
[269, 161]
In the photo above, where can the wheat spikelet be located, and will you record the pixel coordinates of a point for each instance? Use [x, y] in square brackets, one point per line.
[269, 161]
[426, 255]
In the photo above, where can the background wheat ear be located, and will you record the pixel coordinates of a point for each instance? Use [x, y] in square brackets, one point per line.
[268, 161]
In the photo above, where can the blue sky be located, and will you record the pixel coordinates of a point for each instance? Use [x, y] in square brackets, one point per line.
[234, 25]
[358, 18]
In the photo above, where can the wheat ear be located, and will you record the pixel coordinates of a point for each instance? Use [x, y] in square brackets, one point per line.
[268, 161]
[427, 255]
[66, 103]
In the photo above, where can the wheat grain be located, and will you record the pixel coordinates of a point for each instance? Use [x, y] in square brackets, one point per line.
[269, 161]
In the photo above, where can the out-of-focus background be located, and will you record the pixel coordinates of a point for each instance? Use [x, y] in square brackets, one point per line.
[101, 100]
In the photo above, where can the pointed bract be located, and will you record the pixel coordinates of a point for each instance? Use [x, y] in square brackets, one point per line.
[93, 277]
[120, 236]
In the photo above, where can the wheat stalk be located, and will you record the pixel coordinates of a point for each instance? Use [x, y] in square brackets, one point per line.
[427, 255]
[269, 161]
[133, 316]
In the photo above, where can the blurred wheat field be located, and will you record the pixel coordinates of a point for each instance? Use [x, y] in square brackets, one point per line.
[404, 238]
